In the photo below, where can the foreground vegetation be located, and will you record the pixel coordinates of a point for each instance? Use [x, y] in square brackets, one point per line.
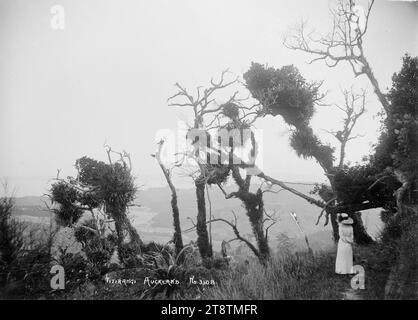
[287, 275]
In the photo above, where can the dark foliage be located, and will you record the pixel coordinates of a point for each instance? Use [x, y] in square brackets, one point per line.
[97, 184]
[24, 260]
[109, 183]
[283, 92]
[307, 145]
[110, 188]
[86, 232]
[361, 183]
[11, 237]
[402, 119]
[97, 247]
[324, 191]
[217, 173]
[69, 211]
[230, 110]
[76, 269]
[129, 254]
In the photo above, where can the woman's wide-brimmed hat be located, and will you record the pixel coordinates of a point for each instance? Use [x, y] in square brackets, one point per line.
[346, 219]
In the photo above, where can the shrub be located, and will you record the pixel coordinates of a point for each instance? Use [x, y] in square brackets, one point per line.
[11, 238]
[97, 247]
[24, 256]
[76, 270]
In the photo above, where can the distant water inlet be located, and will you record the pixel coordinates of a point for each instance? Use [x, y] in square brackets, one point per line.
[141, 217]
[142, 220]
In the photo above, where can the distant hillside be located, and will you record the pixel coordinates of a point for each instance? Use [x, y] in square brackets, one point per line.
[31, 206]
[282, 203]
[158, 218]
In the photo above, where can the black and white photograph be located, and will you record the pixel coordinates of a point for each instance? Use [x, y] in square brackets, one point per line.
[208, 150]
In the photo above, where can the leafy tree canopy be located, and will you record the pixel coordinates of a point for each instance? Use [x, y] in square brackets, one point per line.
[97, 185]
[283, 92]
[287, 93]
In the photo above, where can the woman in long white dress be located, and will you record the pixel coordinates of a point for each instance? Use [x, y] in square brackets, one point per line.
[344, 261]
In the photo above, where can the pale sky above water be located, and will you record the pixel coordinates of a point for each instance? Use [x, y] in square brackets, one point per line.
[107, 75]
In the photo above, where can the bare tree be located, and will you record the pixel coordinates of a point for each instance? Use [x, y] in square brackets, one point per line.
[233, 120]
[343, 43]
[177, 237]
[202, 105]
[354, 107]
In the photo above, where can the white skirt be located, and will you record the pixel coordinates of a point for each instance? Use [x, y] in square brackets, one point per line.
[344, 261]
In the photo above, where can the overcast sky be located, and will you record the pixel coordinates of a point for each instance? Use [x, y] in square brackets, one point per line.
[107, 75]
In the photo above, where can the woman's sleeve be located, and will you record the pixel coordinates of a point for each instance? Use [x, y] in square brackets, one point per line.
[348, 235]
[351, 235]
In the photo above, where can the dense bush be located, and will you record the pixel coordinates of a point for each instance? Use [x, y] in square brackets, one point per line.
[11, 238]
[24, 257]
[76, 269]
[361, 183]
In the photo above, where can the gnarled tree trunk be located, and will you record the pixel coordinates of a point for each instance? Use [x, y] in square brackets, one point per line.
[203, 244]
[254, 207]
[360, 234]
[177, 237]
[255, 212]
[334, 225]
[123, 224]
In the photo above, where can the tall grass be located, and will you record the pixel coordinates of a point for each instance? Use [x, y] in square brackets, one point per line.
[288, 276]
